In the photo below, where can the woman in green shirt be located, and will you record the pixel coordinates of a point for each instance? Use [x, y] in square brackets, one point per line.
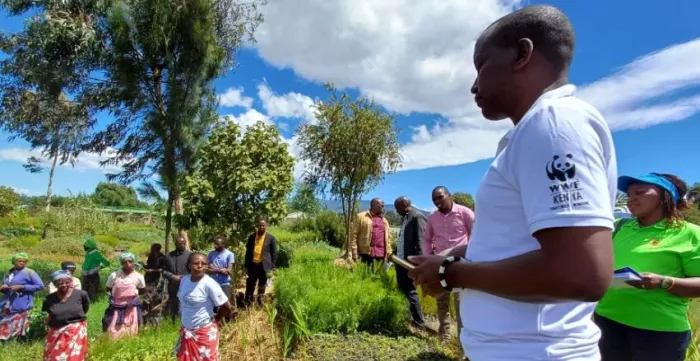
[93, 263]
[648, 321]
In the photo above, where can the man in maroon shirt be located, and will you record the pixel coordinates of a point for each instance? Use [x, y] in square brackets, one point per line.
[370, 236]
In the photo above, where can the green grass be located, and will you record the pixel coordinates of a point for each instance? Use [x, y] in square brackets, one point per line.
[320, 298]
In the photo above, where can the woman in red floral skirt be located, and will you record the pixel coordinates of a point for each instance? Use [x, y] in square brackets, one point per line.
[67, 308]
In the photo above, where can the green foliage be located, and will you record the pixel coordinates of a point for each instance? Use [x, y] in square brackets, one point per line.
[108, 239]
[240, 178]
[9, 200]
[326, 225]
[77, 221]
[116, 195]
[25, 241]
[349, 149]
[319, 298]
[304, 200]
[464, 199]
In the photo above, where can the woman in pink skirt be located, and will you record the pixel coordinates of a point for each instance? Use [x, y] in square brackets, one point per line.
[199, 294]
[123, 316]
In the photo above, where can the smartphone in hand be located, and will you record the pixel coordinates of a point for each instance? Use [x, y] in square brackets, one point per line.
[403, 263]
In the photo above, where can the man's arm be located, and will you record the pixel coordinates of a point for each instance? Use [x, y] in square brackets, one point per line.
[168, 271]
[419, 235]
[554, 273]
[427, 243]
[354, 234]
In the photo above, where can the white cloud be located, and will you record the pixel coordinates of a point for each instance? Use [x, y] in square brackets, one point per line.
[417, 57]
[233, 97]
[250, 117]
[24, 191]
[621, 96]
[290, 105]
[86, 161]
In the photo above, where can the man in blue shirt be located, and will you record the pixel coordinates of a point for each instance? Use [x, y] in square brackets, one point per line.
[221, 262]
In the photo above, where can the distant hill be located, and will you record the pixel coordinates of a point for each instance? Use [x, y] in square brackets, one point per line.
[335, 206]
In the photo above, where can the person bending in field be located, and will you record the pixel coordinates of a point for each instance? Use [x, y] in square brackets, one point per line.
[69, 267]
[18, 288]
[649, 321]
[123, 317]
[67, 339]
[199, 294]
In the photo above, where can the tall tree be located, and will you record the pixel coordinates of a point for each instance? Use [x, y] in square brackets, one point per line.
[464, 199]
[159, 64]
[116, 195]
[240, 178]
[304, 200]
[349, 149]
[49, 58]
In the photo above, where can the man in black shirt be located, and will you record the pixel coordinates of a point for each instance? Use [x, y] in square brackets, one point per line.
[155, 264]
[176, 268]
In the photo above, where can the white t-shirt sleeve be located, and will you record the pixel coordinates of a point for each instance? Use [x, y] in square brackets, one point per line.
[141, 281]
[216, 294]
[560, 167]
[111, 279]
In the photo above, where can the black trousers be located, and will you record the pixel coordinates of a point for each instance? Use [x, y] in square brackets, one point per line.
[370, 261]
[91, 285]
[624, 343]
[173, 301]
[409, 289]
[256, 275]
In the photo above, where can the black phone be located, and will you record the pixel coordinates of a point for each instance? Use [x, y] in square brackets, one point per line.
[403, 263]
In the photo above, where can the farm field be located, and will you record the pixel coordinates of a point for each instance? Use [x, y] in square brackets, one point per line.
[315, 311]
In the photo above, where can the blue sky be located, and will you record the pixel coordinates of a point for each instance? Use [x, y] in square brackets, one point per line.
[635, 61]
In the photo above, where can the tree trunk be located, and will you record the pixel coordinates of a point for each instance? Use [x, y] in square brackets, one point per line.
[49, 193]
[168, 223]
[49, 190]
[179, 210]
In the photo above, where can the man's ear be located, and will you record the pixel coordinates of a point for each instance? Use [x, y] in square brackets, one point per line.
[525, 47]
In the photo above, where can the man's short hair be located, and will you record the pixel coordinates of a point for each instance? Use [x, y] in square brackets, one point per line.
[441, 188]
[549, 29]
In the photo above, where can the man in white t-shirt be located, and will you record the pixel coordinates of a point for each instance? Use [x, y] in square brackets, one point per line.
[540, 256]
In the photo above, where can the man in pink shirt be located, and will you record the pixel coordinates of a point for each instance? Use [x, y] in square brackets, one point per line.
[448, 227]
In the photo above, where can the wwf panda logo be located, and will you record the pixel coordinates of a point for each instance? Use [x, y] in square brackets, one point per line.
[561, 168]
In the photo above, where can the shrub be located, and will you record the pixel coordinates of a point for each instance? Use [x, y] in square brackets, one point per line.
[319, 298]
[24, 242]
[9, 200]
[108, 239]
[330, 227]
[284, 255]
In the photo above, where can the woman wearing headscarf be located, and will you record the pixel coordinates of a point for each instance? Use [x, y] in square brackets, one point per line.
[69, 267]
[93, 263]
[199, 294]
[18, 288]
[649, 320]
[67, 308]
[123, 316]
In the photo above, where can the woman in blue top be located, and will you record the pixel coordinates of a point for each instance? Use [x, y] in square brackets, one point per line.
[18, 288]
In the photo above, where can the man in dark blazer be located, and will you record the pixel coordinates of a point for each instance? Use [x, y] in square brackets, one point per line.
[260, 258]
[408, 244]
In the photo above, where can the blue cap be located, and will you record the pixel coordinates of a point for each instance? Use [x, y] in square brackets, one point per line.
[662, 182]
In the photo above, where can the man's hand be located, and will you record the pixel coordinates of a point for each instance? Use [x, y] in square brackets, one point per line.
[177, 278]
[3, 287]
[17, 288]
[223, 271]
[649, 281]
[425, 274]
